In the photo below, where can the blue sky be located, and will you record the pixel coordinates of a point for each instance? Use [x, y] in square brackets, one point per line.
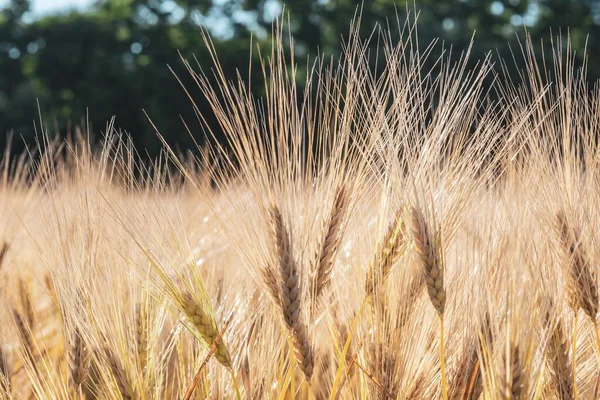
[40, 7]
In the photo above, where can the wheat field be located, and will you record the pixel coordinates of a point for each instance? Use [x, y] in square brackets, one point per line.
[381, 230]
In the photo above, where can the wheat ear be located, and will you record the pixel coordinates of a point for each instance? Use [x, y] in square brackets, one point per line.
[290, 294]
[25, 336]
[388, 252]
[5, 375]
[77, 360]
[431, 259]
[582, 286]
[205, 325]
[3, 251]
[141, 334]
[118, 372]
[467, 382]
[581, 280]
[467, 367]
[558, 355]
[329, 244]
[271, 281]
[25, 298]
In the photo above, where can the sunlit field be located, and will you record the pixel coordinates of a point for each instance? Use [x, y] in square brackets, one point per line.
[379, 231]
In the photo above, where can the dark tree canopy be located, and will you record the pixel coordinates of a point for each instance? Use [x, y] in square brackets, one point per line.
[113, 59]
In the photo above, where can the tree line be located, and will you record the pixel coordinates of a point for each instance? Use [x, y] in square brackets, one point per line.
[120, 57]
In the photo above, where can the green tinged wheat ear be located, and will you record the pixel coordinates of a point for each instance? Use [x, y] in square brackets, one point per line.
[290, 294]
[388, 252]
[328, 245]
[205, 325]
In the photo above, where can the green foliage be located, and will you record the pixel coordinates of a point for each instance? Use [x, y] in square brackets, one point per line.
[114, 58]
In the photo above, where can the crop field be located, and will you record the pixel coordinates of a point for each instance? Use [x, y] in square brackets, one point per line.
[374, 230]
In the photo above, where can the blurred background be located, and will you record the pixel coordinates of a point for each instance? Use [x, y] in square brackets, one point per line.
[92, 59]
